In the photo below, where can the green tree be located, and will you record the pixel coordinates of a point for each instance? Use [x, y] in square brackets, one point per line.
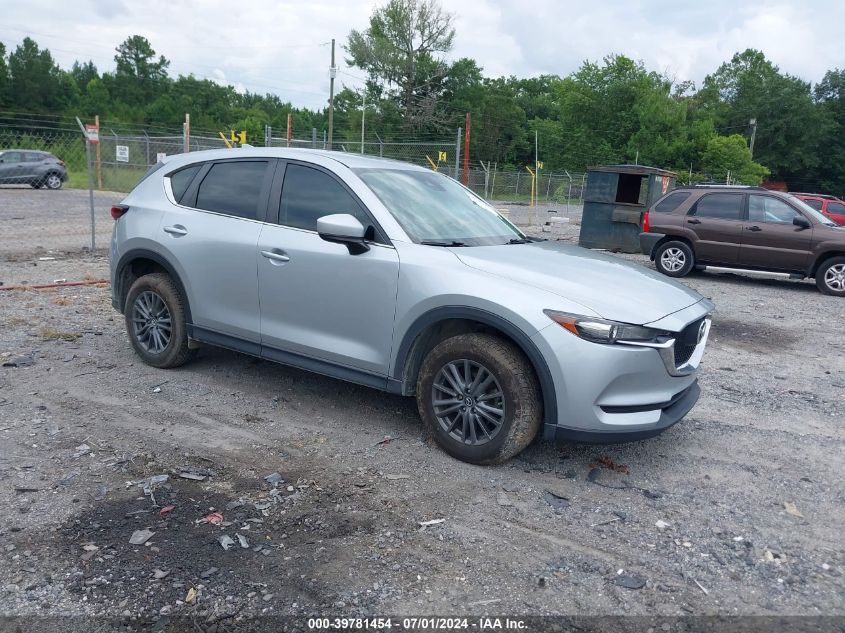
[36, 82]
[789, 126]
[5, 97]
[830, 96]
[730, 156]
[83, 73]
[399, 51]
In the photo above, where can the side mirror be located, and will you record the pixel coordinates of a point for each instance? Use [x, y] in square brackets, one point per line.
[801, 222]
[343, 228]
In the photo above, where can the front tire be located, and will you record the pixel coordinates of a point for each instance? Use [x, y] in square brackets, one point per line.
[480, 397]
[53, 181]
[155, 321]
[674, 259]
[830, 277]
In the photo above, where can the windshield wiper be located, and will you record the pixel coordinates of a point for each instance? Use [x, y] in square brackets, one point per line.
[442, 243]
[520, 240]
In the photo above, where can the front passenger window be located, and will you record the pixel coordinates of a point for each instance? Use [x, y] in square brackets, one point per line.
[771, 210]
[308, 194]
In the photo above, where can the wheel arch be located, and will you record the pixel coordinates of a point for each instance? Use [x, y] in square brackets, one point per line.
[138, 262]
[438, 324]
[821, 259]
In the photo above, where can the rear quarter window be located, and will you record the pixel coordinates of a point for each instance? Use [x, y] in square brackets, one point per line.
[671, 202]
[181, 180]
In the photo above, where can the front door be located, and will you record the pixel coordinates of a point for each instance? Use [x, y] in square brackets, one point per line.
[11, 167]
[716, 220]
[318, 301]
[770, 239]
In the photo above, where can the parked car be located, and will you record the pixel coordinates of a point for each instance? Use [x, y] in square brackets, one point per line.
[831, 206]
[31, 167]
[399, 278]
[744, 228]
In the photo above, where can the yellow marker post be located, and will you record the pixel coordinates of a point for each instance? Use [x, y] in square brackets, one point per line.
[431, 162]
[225, 140]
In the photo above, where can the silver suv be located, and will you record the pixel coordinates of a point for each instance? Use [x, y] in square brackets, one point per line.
[399, 278]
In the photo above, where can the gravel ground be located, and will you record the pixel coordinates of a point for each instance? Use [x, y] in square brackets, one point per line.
[40, 220]
[747, 489]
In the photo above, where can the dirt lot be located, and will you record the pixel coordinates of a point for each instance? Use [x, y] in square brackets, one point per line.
[750, 483]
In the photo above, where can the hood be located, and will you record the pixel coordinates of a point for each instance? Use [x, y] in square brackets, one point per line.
[611, 287]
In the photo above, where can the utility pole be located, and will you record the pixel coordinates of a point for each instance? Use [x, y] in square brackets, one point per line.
[363, 119]
[753, 123]
[332, 75]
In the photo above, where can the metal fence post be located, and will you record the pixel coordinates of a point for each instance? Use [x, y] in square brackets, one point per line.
[516, 191]
[90, 180]
[457, 153]
[314, 137]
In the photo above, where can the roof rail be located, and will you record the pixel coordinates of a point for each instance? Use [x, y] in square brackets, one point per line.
[817, 195]
[715, 185]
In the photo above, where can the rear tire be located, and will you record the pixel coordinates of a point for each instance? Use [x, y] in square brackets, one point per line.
[155, 321]
[674, 259]
[830, 277]
[480, 397]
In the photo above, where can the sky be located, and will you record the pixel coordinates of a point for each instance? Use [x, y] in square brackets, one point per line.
[282, 46]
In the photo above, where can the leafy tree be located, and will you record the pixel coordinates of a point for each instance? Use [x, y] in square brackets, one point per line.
[5, 97]
[830, 97]
[730, 155]
[35, 80]
[399, 52]
[789, 126]
[83, 73]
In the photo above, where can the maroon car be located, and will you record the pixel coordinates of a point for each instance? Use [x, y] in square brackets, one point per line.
[744, 228]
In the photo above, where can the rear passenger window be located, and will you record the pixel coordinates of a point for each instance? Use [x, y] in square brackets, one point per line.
[671, 202]
[233, 188]
[723, 206]
[181, 180]
[309, 194]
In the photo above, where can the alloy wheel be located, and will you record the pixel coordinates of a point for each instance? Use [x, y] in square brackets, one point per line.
[151, 322]
[53, 181]
[468, 402]
[834, 277]
[673, 259]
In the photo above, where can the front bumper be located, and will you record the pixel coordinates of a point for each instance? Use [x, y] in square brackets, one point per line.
[648, 241]
[614, 393]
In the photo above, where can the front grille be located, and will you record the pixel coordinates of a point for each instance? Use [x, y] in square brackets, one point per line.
[686, 342]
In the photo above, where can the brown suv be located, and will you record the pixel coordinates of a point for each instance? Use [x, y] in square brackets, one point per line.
[745, 228]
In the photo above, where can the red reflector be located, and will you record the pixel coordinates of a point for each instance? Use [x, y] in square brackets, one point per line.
[118, 210]
[62, 163]
[645, 222]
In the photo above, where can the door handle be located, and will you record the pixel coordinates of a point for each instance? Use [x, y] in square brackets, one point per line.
[177, 229]
[693, 221]
[276, 257]
[753, 228]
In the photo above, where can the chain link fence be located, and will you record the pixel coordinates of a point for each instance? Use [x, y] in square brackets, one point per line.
[44, 174]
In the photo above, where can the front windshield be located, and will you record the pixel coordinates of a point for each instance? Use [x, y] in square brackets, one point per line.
[434, 209]
[806, 208]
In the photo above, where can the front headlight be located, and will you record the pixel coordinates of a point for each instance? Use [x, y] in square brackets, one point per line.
[606, 332]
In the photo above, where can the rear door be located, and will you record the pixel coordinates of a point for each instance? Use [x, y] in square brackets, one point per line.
[318, 301]
[770, 239]
[716, 219]
[212, 231]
